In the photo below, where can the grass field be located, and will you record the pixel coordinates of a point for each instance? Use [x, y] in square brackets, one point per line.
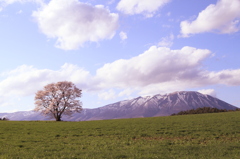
[191, 136]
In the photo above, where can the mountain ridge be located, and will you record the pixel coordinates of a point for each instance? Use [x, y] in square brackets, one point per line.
[149, 106]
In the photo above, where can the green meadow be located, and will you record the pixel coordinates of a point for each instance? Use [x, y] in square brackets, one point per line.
[190, 136]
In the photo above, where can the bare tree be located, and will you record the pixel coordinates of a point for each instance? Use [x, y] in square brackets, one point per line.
[57, 99]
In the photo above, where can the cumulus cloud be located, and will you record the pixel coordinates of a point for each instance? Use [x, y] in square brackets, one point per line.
[222, 17]
[210, 92]
[226, 77]
[157, 70]
[74, 23]
[156, 65]
[22, 83]
[26, 80]
[148, 8]
[162, 70]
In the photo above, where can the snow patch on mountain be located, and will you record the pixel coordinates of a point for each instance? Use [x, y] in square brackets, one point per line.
[148, 106]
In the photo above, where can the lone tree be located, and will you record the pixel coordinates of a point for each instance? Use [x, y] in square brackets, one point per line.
[57, 99]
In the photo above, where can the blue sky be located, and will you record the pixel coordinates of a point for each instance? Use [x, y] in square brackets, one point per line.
[118, 49]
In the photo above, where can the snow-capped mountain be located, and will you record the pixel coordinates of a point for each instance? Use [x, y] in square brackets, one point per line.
[150, 106]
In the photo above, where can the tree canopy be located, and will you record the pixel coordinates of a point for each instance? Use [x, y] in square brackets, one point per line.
[58, 99]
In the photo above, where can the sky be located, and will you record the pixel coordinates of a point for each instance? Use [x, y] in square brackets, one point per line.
[118, 49]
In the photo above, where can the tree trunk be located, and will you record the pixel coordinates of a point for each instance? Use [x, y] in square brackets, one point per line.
[58, 118]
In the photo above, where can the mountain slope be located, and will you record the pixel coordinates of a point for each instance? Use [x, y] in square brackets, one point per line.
[150, 106]
[23, 115]
[158, 105]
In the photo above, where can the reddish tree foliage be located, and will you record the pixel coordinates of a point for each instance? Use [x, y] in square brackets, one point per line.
[57, 99]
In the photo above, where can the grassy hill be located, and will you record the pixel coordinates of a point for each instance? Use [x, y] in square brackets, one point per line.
[191, 136]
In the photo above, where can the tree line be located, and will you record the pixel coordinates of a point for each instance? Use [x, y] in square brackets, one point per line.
[203, 110]
[4, 118]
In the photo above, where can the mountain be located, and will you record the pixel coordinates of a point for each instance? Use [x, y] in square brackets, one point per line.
[150, 106]
[23, 115]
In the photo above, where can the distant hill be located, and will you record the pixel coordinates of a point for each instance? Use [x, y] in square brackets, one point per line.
[150, 106]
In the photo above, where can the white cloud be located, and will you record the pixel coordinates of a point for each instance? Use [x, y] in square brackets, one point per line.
[226, 77]
[156, 65]
[166, 41]
[26, 80]
[74, 23]
[157, 70]
[146, 7]
[210, 92]
[222, 17]
[123, 35]
[106, 95]
[162, 70]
